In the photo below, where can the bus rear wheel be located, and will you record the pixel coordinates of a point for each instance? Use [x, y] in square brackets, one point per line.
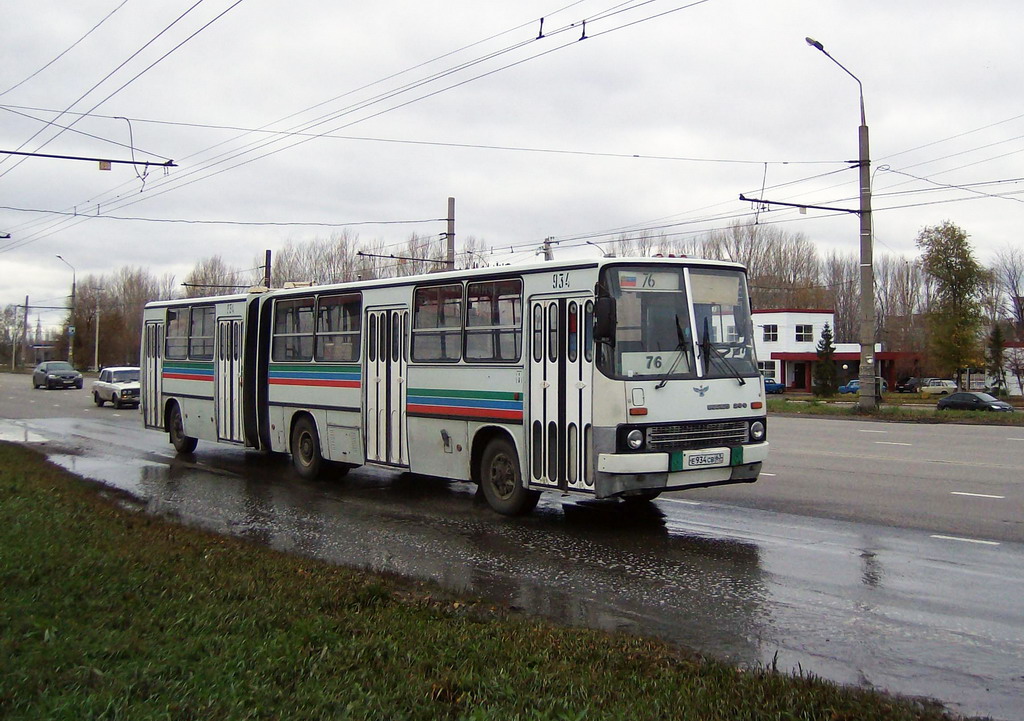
[502, 481]
[176, 430]
[306, 449]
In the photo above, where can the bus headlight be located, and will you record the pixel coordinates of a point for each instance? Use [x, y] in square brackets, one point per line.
[757, 431]
[635, 439]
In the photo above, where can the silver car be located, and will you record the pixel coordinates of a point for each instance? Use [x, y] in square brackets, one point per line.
[119, 385]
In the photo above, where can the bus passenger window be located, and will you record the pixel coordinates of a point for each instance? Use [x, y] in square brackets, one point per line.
[437, 323]
[337, 328]
[494, 313]
[200, 341]
[293, 330]
[177, 334]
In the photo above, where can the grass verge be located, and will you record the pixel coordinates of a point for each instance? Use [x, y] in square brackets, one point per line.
[902, 412]
[110, 613]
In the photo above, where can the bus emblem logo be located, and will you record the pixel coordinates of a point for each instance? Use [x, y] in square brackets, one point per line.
[700, 390]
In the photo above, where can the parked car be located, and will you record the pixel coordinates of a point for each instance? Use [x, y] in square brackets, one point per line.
[910, 385]
[56, 374]
[119, 385]
[971, 401]
[773, 386]
[938, 387]
[854, 386]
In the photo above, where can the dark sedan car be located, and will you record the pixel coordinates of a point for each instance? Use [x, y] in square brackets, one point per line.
[56, 374]
[966, 401]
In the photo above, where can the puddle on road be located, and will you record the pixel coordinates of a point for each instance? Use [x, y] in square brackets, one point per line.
[17, 433]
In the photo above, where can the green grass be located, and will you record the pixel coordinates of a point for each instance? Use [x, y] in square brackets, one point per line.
[108, 613]
[892, 410]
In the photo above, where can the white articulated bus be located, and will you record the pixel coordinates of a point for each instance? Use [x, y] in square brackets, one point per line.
[606, 378]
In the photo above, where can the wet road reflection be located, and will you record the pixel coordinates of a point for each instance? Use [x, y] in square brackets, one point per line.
[856, 603]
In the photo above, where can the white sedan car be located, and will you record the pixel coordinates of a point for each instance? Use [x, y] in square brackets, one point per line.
[119, 385]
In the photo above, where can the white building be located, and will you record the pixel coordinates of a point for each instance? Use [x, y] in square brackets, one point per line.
[786, 341]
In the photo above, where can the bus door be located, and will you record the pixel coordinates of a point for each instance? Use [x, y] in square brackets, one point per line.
[228, 375]
[152, 370]
[561, 370]
[386, 430]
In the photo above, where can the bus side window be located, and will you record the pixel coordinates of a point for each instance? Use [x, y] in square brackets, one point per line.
[293, 330]
[437, 323]
[337, 328]
[177, 334]
[494, 320]
[200, 340]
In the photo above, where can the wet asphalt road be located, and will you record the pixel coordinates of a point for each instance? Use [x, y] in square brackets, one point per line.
[859, 559]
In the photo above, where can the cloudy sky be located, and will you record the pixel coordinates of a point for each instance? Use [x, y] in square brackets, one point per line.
[289, 120]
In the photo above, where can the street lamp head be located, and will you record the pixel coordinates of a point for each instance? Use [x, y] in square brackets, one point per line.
[815, 44]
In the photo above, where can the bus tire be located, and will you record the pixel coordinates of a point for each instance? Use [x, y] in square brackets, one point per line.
[176, 430]
[305, 447]
[502, 481]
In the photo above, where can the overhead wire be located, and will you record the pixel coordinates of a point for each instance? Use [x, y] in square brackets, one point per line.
[106, 77]
[176, 179]
[66, 50]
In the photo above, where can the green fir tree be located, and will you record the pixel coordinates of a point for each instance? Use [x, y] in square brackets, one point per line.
[825, 383]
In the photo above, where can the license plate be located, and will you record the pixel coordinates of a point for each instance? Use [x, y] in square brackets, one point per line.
[704, 460]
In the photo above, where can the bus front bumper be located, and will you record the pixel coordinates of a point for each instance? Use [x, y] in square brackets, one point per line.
[628, 473]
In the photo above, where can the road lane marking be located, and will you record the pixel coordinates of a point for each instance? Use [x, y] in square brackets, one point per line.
[1015, 439]
[679, 500]
[864, 430]
[768, 474]
[892, 443]
[965, 540]
[973, 495]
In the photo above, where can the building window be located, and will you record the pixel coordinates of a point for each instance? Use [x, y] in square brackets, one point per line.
[766, 368]
[771, 333]
[805, 334]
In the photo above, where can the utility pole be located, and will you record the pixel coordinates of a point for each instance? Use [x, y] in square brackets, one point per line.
[451, 234]
[24, 333]
[96, 344]
[71, 325]
[869, 393]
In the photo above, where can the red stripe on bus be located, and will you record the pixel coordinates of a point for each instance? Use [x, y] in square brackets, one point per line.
[466, 411]
[313, 382]
[187, 377]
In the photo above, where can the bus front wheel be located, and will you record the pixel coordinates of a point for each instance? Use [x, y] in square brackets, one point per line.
[502, 481]
[306, 449]
[176, 430]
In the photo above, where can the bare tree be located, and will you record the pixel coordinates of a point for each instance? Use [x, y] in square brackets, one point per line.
[210, 276]
[841, 278]
[1009, 273]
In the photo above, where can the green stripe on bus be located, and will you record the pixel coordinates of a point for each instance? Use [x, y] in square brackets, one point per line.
[199, 365]
[306, 367]
[483, 395]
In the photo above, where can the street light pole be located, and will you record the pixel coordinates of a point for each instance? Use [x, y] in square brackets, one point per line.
[868, 398]
[71, 335]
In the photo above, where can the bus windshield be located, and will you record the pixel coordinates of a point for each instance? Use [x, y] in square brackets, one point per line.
[678, 323]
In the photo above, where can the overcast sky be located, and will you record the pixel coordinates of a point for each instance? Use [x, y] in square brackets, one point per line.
[660, 118]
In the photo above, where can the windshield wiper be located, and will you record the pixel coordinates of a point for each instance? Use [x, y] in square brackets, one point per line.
[707, 348]
[680, 346]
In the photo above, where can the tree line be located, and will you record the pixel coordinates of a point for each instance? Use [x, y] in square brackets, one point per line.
[942, 302]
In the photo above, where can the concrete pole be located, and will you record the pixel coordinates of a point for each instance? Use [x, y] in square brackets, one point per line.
[869, 394]
[451, 234]
[96, 344]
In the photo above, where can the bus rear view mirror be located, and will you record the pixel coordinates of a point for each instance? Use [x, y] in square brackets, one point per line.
[604, 320]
